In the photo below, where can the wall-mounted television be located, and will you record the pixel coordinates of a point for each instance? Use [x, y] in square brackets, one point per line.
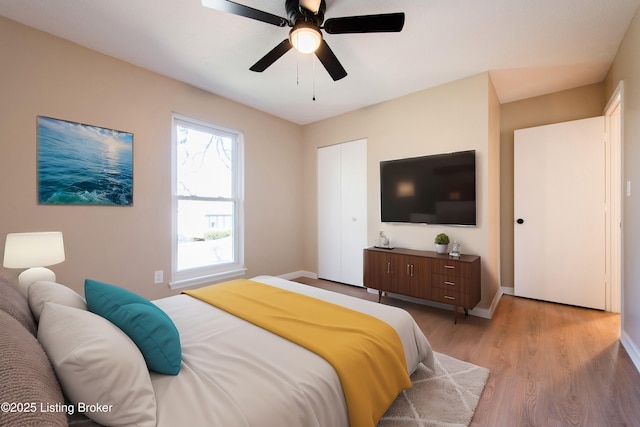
[434, 189]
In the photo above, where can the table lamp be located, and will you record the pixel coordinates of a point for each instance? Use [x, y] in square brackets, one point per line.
[33, 251]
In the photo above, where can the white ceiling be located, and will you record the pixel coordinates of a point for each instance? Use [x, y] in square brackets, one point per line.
[531, 47]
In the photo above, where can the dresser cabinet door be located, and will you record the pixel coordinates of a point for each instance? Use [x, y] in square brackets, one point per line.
[415, 276]
[379, 271]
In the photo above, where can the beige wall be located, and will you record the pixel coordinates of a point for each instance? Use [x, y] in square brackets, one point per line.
[573, 104]
[44, 75]
[462, 115]
[626, 67]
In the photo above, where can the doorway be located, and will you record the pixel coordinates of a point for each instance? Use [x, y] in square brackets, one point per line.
[614, 137]
[560, 233]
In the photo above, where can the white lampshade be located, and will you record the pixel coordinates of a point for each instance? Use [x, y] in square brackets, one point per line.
[26, 250]
[33, 251]
[305, 38]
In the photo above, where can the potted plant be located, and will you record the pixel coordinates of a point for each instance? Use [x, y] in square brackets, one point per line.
[442, 243]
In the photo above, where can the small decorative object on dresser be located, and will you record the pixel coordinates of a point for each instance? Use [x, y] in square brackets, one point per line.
[383, 241]
[442, 243]
[455, 250]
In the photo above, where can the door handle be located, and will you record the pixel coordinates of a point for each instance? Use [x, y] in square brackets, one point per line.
[520, 221]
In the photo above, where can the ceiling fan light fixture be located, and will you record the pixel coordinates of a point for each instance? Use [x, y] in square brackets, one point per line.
[305, 37]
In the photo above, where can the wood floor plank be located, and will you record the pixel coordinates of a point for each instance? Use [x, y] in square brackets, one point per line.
[551, 364]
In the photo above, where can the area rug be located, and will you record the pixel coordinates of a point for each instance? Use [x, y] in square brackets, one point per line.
[448, 397]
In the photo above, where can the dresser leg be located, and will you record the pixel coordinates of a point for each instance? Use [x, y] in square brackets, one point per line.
[379, 295]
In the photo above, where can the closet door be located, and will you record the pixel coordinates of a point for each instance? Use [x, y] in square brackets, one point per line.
[329, 213]
[342, 211]
[353, 210]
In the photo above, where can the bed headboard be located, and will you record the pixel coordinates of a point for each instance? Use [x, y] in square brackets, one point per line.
[30, 390]
[25, 372]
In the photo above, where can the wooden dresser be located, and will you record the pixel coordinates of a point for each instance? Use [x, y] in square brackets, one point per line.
[424, 274]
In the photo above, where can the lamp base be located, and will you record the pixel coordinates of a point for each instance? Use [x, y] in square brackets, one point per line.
[32, 275]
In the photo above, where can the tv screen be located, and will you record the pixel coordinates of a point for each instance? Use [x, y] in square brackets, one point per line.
[436, 189]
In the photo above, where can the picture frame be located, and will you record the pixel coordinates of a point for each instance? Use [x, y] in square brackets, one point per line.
[81, 164]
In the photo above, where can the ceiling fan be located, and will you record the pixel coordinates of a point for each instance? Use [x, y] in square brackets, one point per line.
[306, 17]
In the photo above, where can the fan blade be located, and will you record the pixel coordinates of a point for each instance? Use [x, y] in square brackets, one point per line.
[271, 57]
[330, 61]
[246, 11]
[384, 23]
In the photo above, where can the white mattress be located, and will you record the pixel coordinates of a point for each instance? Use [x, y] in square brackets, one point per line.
[235, 374]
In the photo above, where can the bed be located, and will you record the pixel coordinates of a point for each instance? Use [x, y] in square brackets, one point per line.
[231, 372]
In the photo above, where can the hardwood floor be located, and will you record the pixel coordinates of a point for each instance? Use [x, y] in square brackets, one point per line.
[551, 364]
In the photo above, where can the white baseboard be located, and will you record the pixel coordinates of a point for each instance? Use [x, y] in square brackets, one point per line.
[631, 348]
[507, 290]
[299, 273]
[487, 313]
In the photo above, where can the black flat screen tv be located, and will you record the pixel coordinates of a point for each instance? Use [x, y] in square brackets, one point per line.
[435, 189]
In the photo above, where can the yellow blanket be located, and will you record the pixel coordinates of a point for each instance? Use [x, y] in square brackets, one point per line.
[366, 352]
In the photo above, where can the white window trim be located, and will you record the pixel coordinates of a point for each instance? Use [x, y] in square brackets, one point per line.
[205, 275]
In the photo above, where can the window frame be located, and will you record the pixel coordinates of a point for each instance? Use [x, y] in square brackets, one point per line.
[202, 275]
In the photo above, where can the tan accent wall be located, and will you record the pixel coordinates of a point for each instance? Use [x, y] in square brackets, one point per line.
[44, 75]
[461, 115]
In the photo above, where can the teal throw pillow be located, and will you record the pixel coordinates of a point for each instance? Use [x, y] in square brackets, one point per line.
[145, 323]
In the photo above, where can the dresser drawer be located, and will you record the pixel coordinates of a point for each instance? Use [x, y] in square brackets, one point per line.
[449, 282]
[451, 267]
[446, 296]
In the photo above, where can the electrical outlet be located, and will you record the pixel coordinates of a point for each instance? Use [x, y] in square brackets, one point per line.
[158, 277]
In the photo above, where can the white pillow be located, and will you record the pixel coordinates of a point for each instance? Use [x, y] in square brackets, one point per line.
[42, 292]
[97, 363]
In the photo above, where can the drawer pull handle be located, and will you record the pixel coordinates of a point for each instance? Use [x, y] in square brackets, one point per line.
[450, 266]
[448, 297]
[410, 270]
[449, 283]
[388, 267]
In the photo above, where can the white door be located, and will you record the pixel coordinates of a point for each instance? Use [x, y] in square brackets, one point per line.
[559, 201]
[354, 210]
[329, 213]
[342, 208]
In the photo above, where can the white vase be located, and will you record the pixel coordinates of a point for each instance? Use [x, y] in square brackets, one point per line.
[442, 249]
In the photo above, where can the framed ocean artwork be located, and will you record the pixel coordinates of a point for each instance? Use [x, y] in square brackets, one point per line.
[81, 164]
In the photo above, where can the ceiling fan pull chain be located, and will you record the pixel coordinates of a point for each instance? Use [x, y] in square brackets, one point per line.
[297, 68]
[314, 76]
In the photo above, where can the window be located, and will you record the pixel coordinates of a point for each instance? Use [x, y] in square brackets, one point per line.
[207, 203]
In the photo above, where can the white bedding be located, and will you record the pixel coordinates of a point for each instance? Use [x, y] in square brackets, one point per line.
[235, 374]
